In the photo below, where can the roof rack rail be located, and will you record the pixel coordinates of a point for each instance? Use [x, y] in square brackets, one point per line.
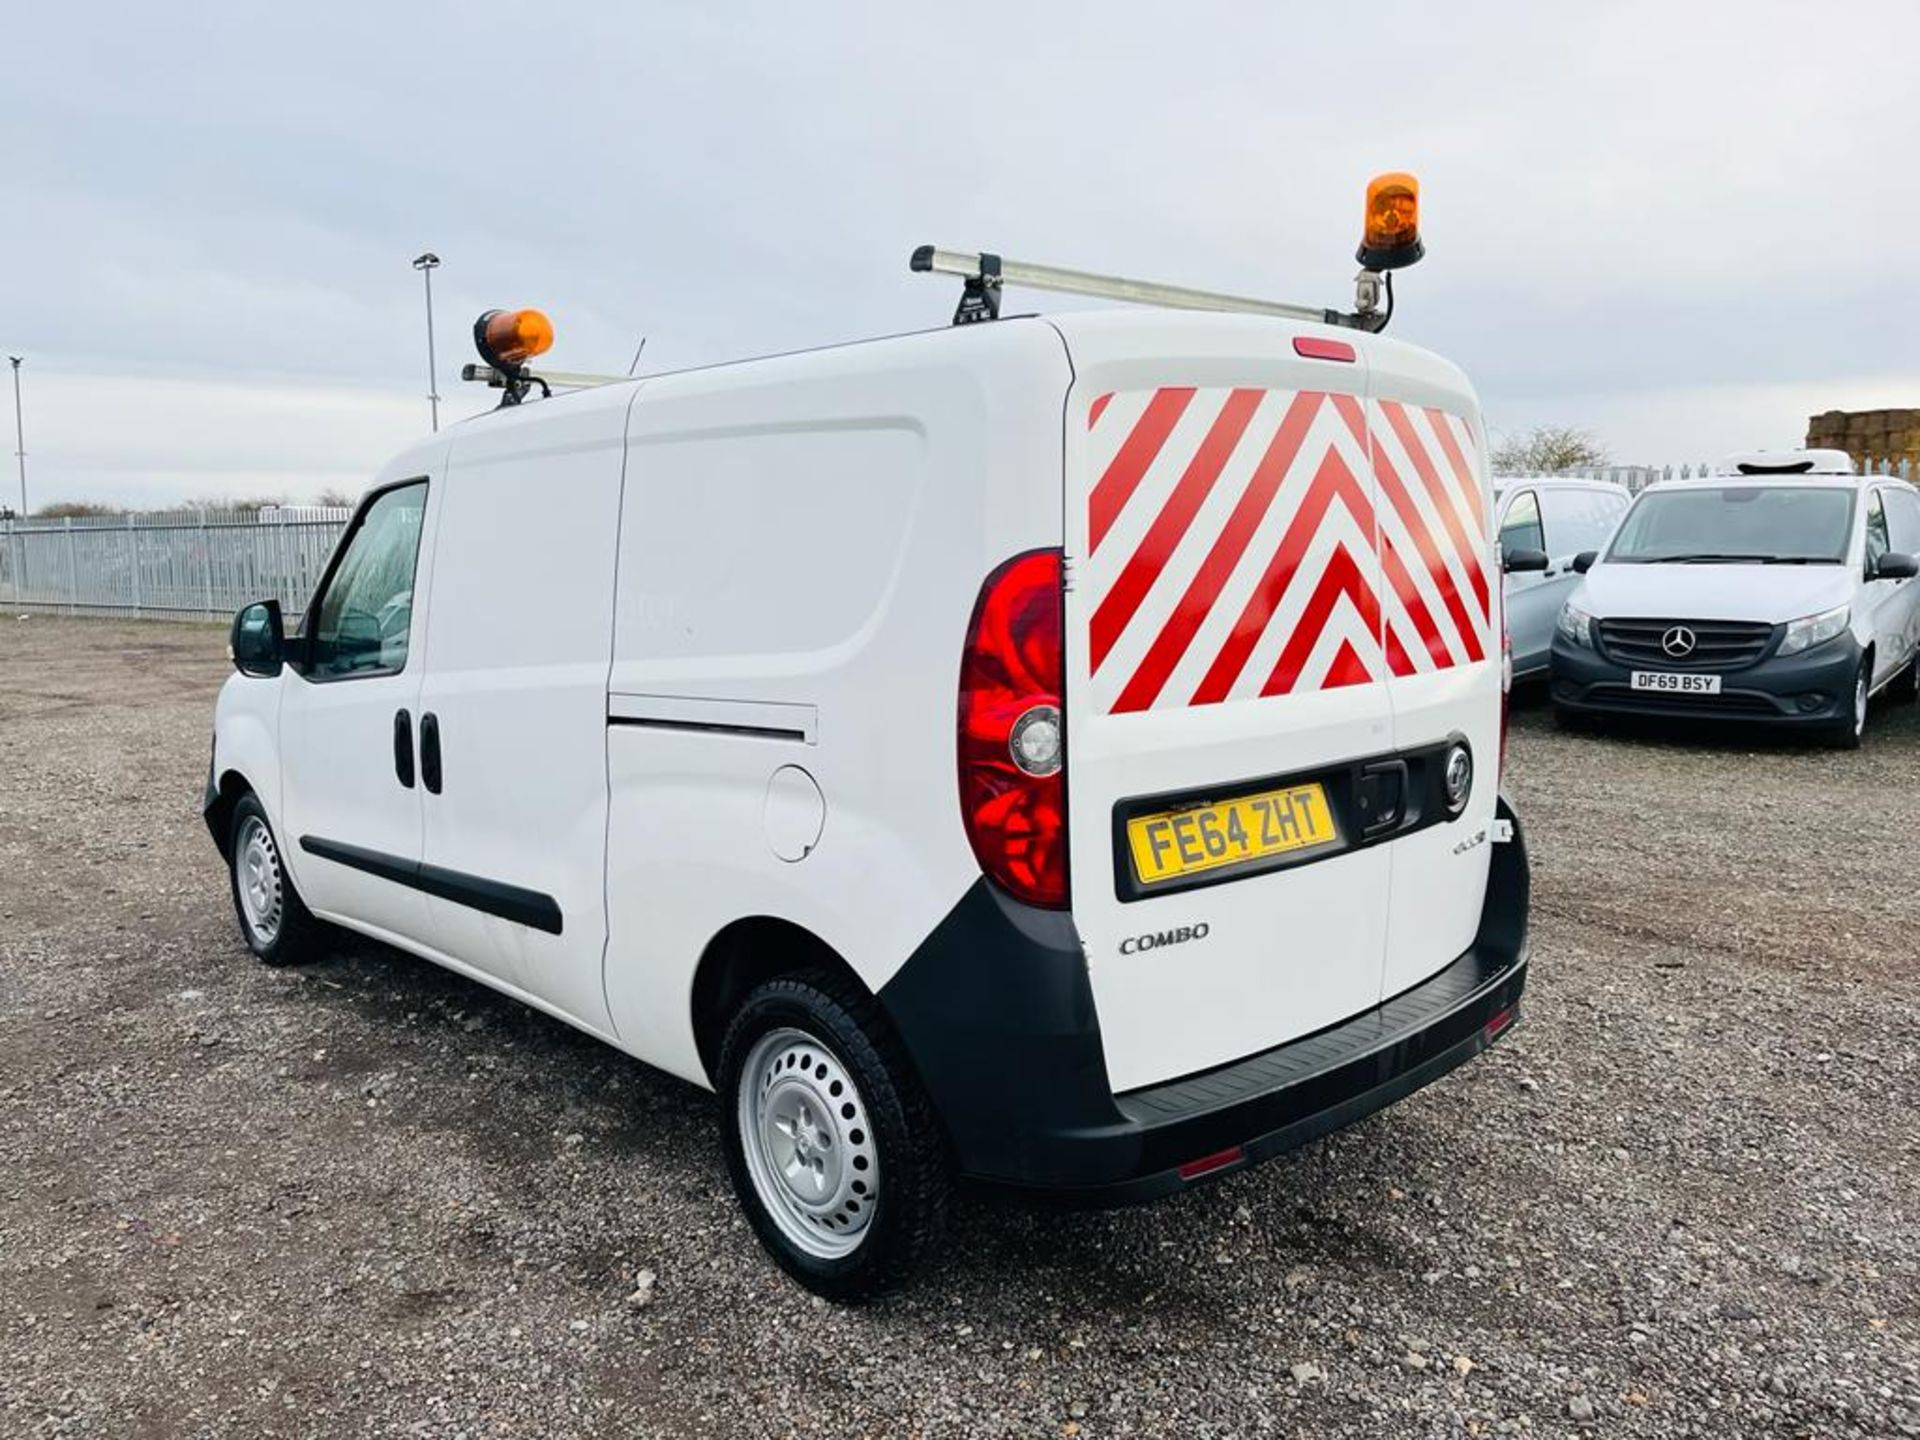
[985, 273]
[565, 379]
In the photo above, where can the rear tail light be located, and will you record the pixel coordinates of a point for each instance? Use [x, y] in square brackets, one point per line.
[1012, 751]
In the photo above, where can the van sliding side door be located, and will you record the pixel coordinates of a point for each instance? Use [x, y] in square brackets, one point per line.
[513, 703]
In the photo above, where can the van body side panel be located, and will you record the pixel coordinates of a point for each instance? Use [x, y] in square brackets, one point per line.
[1442, 606]
[1224, 638]
[802, 543]
[519, 642]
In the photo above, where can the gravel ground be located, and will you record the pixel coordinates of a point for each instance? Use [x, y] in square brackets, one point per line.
[372, 1199]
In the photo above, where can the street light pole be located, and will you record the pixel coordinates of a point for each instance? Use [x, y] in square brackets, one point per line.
[19, 434]
[426, 264]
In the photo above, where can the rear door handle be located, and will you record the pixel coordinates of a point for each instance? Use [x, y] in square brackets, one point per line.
[430, 752]
[1382, 796]
[403, 747]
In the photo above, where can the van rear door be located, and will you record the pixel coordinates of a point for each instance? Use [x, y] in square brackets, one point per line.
[1440, 615]
[1225, 677]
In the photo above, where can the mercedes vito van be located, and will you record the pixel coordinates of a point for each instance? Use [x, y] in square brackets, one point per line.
[1780, 592]
[1058, 753]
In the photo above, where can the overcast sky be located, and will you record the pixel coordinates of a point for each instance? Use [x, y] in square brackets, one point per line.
[1684, 226]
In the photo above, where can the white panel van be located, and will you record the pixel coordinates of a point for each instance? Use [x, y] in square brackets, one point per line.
[1055, 753]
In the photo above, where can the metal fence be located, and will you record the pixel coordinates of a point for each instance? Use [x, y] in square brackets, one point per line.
[198, 565]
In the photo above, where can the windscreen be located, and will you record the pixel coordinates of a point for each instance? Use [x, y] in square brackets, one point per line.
[1735, 524]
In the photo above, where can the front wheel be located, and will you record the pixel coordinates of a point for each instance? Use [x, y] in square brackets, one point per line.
[1848, 733]
[275, 924]
[833, 1149]
[1905, 686]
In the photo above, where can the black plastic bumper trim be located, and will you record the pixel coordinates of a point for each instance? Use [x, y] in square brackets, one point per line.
[1764, 692]
[493, 897]
[996, 1010]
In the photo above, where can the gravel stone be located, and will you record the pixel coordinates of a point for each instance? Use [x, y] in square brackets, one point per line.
[350, 1200]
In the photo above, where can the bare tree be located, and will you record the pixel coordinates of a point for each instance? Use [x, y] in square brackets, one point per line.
[1547, 450]
[337, 498]
[75, 510]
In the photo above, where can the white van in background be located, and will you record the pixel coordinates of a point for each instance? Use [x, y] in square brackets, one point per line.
[1781, 591]
[1555, 518]
[1060, 753]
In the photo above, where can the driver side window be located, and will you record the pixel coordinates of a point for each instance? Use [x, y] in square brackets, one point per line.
[363, 617]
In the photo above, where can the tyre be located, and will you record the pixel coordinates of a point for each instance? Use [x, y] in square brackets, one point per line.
[833, 1149]
[275, 924]
[1848, 733]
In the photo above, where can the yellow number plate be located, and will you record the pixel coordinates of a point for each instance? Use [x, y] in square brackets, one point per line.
[1185, 842]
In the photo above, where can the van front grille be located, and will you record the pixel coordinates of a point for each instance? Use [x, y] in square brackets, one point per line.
[1624, 697]
[1716, 644]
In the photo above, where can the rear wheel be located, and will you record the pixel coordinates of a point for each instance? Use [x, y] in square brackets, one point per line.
[832, 1147]
[275, 924]
[1848, 733]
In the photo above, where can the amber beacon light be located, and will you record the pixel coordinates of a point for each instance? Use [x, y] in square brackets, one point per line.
[507, 339]
[1391, 236]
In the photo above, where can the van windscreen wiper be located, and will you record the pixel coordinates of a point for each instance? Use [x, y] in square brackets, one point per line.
[1705, 558]
[1801, 560]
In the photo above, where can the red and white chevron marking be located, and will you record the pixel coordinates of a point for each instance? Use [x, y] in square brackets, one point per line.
[1254, 542]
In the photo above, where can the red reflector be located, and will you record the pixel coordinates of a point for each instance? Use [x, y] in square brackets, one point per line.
[1313, 348]
[1498, 1023]
[1207, 1164]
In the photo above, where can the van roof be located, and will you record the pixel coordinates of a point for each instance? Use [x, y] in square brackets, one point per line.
[1503, 483]
[1386, 354]
[1816, 480]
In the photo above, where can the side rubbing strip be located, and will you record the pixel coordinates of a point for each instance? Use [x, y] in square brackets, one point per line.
[492, 897]
[761, 719]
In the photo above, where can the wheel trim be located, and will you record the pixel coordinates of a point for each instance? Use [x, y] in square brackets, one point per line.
[257, 882]
[1860, 704]
[808, 1143]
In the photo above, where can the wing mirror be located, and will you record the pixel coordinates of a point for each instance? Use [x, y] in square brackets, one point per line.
[1583, 562]
[1895, 566]
[258, 642]
[1520, 559]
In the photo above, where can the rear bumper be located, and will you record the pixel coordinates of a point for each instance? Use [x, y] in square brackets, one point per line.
[1017, 1074]
[1813, 688]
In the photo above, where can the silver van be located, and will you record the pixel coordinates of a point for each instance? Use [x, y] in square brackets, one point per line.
[1559, 517]
[1782, 591]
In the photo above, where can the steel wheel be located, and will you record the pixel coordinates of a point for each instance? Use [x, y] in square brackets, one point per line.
[257, 883]
[808, 1143]
[1860, 704]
